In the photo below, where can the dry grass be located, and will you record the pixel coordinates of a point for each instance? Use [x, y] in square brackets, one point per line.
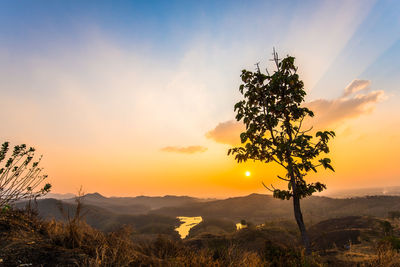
[385, 256]
[103, 249]
[26, 239]
[230, 257]
[74, 243]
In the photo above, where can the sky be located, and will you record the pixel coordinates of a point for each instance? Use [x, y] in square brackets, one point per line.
[133, 98]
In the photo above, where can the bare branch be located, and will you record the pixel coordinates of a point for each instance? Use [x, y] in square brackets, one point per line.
[267, 187]
[284, 179]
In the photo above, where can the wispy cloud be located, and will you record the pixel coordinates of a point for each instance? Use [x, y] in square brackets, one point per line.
[184, 150]
[356, 86]
[328, 113]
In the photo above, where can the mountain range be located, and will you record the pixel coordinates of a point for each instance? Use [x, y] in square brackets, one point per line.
[155, 215]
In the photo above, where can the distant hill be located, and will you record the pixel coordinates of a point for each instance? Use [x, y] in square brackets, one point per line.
[362, 192]
[334, 225]
[259, 208]
[59, 196]
[158, 214]
[135, 205]
[112, 205]
[109, 214]
[106, 220]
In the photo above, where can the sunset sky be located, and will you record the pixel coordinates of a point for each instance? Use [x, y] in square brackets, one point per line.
[134, 98]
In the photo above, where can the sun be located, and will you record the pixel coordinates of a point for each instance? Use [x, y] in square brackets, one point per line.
[247, 173]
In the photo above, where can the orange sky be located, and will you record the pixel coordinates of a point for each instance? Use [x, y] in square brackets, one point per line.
[136, 100]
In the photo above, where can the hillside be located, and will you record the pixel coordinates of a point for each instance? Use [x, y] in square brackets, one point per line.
[362, 192]
[26, 240]
[135, 205]
[109, 214]
[107, 220]
[259, 208]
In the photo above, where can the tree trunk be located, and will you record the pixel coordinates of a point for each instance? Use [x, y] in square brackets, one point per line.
[296, 199]
[297, 210]
[299, 219]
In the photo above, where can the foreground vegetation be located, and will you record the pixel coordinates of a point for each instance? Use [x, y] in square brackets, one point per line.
[27, 239]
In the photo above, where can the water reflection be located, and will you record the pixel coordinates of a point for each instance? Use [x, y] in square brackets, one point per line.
[240, 226]
[187, 224]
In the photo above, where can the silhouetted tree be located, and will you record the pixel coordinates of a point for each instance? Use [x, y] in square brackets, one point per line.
[272, 113]
[20, 176]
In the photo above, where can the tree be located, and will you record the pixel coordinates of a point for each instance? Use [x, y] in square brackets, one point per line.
[272, 113]
[20, 176]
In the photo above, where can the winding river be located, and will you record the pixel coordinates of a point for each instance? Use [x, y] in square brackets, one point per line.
[187, 224]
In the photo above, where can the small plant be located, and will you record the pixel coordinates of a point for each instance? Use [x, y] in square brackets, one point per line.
[20, 176]
[393, 241]
[387, 228]
[394, 215]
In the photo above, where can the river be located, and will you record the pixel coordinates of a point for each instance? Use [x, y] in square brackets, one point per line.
[187, 224]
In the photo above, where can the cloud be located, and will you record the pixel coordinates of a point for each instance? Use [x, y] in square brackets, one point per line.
[227, 132]
[184, 150]
[328, 113]
[356, 86]
[352, 104]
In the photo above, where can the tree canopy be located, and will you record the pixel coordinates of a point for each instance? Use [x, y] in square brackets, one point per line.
[273, 114]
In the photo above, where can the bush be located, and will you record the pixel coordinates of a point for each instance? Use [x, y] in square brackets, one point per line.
[393, 241]
[20, 176]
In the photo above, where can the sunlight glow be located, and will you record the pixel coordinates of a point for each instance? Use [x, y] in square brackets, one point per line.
[97, 77]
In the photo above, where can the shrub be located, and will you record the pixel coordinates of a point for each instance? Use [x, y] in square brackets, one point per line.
[20, 175]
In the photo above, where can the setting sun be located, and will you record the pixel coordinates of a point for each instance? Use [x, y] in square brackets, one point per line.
[151, 114]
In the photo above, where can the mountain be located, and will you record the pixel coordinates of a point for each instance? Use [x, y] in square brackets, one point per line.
[109, 214]
[362, 192]
[103, 219]
[334, 225]
[111, 205]
[259, 208]
[135, 205]
[158, 214]
[59, 196]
